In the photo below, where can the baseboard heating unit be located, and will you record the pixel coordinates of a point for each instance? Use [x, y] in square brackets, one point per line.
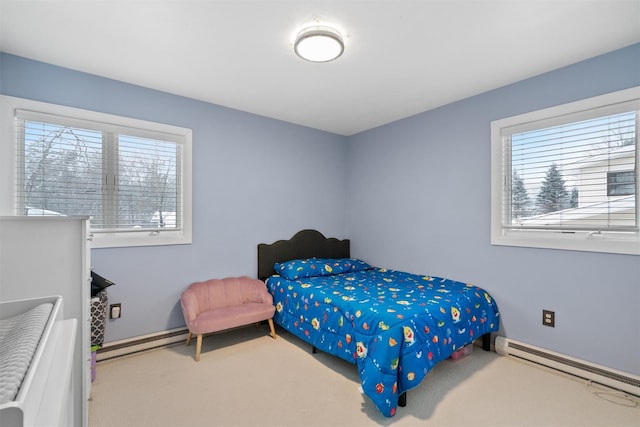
[126, 347]
[581, 368]
[138, 344]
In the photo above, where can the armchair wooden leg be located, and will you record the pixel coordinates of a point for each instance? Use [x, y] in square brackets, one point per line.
[198, 347]
[273, 331]
[189, 339]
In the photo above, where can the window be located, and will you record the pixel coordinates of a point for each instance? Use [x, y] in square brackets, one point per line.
[566, 177]
[621, 183]
[132, 178]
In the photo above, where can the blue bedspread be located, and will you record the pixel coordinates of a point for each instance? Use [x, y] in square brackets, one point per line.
[395, 326]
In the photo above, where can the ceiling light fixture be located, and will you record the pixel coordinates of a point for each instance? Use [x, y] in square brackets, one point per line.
[319, 44]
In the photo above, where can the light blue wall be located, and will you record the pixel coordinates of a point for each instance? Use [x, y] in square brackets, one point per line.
[419, 200]
[241, 197]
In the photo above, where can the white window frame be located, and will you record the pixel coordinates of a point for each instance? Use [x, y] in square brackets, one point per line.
[8, 171]
[620, 243]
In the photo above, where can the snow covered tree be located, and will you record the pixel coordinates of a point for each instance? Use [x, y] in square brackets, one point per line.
[553, 195]
[573, 200]
[519, 197]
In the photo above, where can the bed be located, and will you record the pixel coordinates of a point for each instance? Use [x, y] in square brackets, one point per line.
[395, 326]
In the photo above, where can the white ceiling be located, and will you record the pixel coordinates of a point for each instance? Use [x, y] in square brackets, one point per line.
[402, 57]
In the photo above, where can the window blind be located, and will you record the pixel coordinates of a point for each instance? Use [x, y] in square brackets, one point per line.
[125, 179]
[573, 173]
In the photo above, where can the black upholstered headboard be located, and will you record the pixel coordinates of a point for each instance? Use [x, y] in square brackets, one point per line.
[304, 244]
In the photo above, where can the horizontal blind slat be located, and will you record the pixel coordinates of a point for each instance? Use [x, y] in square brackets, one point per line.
[64, 169]
[573, 176]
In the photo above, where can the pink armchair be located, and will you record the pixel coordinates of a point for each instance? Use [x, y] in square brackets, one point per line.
[219, 304]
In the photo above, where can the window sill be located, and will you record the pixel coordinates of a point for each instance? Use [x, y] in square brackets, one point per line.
[152, 238]
[575, 241]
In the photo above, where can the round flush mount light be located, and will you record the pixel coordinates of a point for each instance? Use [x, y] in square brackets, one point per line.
[319, 44]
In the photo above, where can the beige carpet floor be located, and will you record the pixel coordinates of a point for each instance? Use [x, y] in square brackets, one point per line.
[245, 378]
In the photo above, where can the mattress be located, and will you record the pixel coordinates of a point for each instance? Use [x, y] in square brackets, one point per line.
[19, 338]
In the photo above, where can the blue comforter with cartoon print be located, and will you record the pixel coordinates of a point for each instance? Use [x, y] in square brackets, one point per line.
[395, 326]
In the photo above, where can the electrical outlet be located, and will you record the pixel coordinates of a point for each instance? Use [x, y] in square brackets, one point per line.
[549, 318]
[115, 311]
